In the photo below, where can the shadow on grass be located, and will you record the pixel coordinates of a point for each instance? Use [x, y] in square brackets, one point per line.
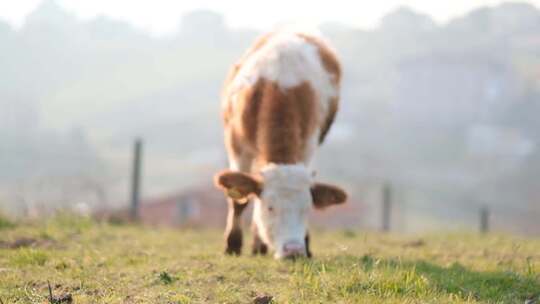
[422, 278]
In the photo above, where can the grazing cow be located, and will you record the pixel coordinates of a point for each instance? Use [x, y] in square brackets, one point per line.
[279, 102]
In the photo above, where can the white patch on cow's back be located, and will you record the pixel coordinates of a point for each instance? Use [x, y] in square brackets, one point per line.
[288, 60]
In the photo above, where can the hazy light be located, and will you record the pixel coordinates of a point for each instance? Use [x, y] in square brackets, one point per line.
[162, 16]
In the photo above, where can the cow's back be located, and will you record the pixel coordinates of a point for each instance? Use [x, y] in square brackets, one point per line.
[281, 97]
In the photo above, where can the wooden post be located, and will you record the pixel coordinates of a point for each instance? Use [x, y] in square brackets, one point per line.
[386, 207]
[136, 179]
[484, 219]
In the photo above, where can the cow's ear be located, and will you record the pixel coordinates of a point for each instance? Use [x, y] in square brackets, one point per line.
[238, 185]
[326, 195]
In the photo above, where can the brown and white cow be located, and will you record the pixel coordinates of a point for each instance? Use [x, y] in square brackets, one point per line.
[279, 102]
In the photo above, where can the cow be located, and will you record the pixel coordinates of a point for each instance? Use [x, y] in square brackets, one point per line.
[278, 104]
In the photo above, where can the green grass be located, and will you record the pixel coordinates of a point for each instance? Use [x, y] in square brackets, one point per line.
[101, 263]
[5, 222]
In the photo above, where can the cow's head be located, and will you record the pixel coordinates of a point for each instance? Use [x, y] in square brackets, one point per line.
[283, 196]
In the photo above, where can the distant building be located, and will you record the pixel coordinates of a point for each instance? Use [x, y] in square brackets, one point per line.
[195, 207]
[206, 207]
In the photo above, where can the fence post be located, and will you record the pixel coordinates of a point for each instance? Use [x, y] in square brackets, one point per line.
[484, 219]
[136, 179]
[386, 206]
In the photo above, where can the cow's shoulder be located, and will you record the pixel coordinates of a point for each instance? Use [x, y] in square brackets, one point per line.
[327, 55]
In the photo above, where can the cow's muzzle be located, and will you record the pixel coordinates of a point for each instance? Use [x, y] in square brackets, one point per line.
[292, 250]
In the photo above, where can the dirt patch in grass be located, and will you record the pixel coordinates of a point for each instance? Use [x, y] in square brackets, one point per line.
[415, 243]
[59, 299]
[25, 242]
[263, 299]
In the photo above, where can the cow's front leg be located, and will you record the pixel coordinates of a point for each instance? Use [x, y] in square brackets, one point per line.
[258, 247]
[233, 231]
[306, 241]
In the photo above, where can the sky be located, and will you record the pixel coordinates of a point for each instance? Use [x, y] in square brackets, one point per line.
[162, 16]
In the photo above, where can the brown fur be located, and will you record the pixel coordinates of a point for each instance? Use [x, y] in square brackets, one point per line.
[326, 195]
[329, 61]
[332, 66]
[236, 67]
[328, 58]
[276, 123]
[329, 120]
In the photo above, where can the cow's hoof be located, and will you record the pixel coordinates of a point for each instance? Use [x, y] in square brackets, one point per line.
[233, 251]
[234, 243]
[259, 248]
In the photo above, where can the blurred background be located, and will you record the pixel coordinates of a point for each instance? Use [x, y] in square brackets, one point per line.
[439, 118]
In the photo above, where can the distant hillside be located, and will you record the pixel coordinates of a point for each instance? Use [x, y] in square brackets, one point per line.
[431, 108]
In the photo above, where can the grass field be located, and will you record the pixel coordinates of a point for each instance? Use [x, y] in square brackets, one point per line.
[103, 263]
